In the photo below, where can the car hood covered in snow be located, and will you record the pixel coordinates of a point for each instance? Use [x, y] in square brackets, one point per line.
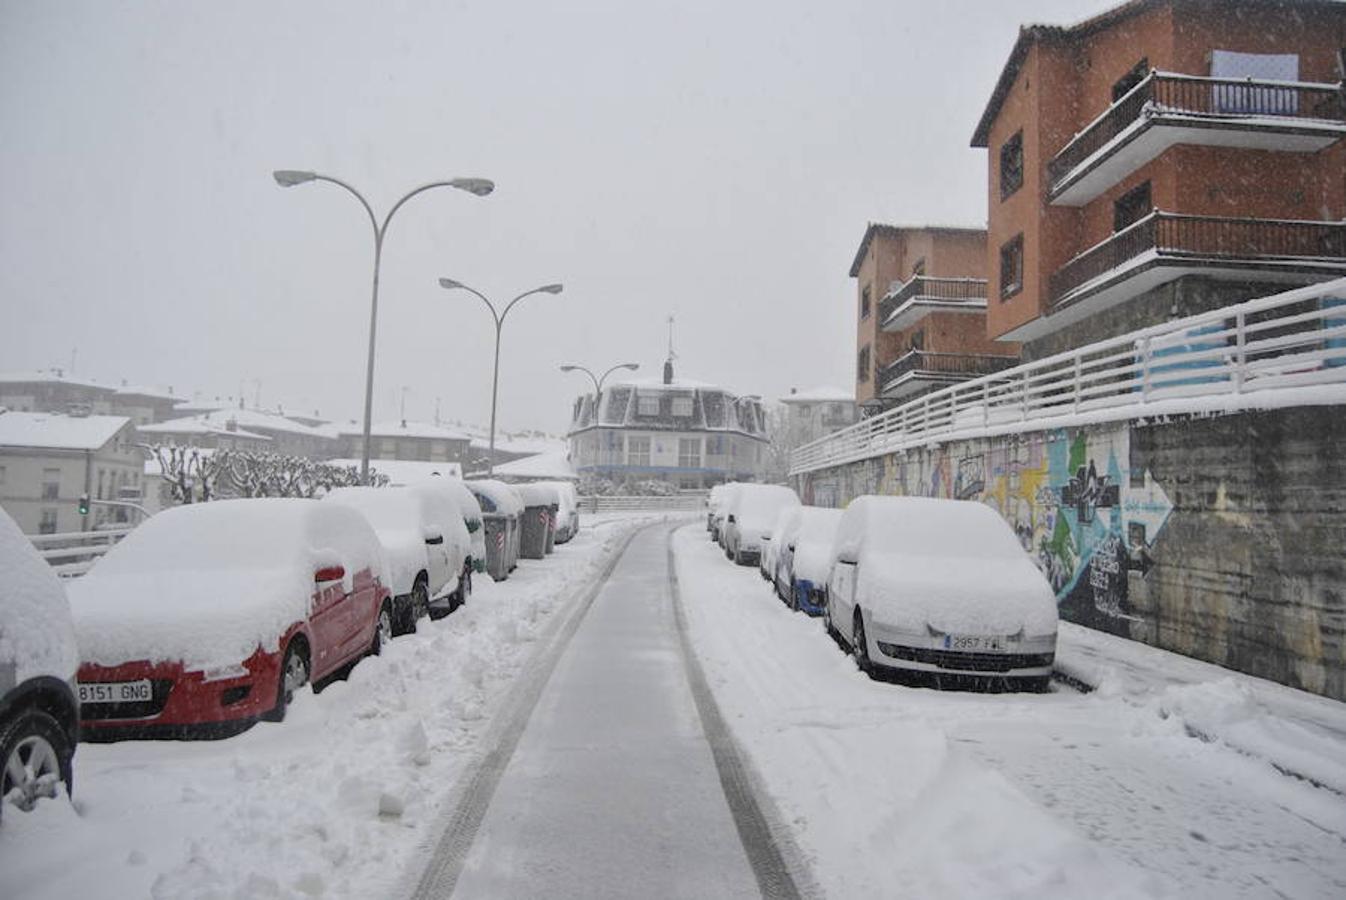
[209, 583]
[36, 634]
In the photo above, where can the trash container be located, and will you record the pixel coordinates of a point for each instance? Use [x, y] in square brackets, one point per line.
[500, 510]
[536, 521]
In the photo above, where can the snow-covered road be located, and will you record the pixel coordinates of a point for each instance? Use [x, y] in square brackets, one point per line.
[914, 792]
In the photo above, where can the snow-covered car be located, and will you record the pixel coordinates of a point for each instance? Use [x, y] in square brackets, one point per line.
[442, 514]
[750, 514]
[919, 584]
[425, 545]
[805, 558]
[770, 555]
[39, 713]
[568, 513]
[721, 495]
[472, 517]
[216, 613]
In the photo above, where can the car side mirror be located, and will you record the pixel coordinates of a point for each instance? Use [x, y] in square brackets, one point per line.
[434, 539]
[731, 520]
[846, 561]
[790, 547]
[329, 573]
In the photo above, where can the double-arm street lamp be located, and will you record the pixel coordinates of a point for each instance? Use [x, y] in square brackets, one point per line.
[289, 178]
[451, 285]
[598, 380]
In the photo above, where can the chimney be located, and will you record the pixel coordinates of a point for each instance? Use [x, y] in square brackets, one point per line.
[668, 370]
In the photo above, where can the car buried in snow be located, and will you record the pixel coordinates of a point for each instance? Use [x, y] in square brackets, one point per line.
[805, 558]
[39, 713]
[786, 521]
[749, 517]
[939, 588]
[720, 496]
[425, 545]
[211, 615]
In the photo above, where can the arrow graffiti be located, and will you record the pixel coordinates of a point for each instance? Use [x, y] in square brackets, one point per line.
[1147, 507]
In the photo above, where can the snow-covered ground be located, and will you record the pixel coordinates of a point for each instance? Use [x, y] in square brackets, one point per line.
[333, 802]
[901, 791]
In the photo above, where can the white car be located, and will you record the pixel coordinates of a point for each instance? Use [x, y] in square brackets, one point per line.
[720, 497]
[748, 519]
[804, 558]
[442, 513]
[472, 518]
[786, 520]
[940, 587]
[424, 545]
[39, 715]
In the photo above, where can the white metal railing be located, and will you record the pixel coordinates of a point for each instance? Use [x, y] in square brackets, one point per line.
[1223, 360]
[72, 553]
[673, 502]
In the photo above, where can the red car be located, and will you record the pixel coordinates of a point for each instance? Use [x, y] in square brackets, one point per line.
[214, 614]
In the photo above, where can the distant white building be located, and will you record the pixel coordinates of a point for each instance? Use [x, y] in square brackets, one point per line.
[55, 391]
[690, 434]
[817, 412]
[213, 429]
[402, 440]
[48, 460]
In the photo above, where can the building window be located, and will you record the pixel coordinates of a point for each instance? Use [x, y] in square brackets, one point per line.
[47, 524]
[1012, 267]
[1012, 165]
[862, 364]
[51, 484]
[689, 453]
[682, 407]
[648, 405]
[864, 302]
[1131, 207]
[1131, 79]
[638, 451]
[805, 410]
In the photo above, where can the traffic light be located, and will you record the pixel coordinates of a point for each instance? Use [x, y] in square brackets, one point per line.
[83, 504]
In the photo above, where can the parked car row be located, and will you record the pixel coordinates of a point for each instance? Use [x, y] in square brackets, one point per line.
[920, 587]
[210, 616]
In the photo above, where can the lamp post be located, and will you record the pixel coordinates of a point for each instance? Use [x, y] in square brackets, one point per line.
[598, 382]
[479, 187]
[450, 285]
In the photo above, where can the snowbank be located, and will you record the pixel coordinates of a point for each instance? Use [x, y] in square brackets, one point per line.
[209, 583]
[36, 633]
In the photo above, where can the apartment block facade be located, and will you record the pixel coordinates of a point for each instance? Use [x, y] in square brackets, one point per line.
[921, 312]
[1164, 158]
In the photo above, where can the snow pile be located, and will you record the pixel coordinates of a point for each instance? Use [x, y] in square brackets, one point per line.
[395, 515]
[337, 801]
[953, 565]
[813, 538]
[209, 583]
[36, 634]
[496, 497]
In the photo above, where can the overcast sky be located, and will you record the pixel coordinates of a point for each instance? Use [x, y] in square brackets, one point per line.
[716, 161]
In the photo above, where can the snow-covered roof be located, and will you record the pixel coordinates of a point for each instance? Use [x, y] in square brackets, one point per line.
[250, 420]
[820, 394]
[145, 390]
[58, 432]
[402, 428]
[405, 471]
[552, 466]
[51, 376]
[521, 445]
[197, 426]
[678, 384]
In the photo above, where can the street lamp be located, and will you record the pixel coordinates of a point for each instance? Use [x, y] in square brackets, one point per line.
[598, 382]
[450, 285]
[479, 187]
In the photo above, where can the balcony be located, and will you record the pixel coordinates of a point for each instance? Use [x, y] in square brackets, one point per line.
[908, 303]
[1166, 109]
[1163, 247]
[920, 370]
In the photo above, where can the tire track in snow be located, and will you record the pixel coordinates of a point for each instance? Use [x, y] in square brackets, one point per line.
[472, 795]
[766, 841]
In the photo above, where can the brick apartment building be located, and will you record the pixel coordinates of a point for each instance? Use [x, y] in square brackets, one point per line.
[921, 313]
[1163, 158]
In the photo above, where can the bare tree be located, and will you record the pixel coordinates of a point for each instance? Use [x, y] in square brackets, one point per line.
[190, 472]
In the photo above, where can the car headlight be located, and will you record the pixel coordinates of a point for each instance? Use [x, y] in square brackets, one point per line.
[220, 673]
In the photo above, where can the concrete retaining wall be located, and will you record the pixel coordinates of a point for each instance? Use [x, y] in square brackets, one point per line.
[1223, 538]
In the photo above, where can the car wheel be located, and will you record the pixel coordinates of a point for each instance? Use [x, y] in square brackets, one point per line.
[860, 646]
[420, 606]
[383, 631]
[294, 674]
[36, 756]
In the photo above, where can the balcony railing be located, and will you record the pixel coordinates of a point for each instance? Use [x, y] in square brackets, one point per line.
[944, 291]
[1285, 349]
[1177, 236]
[1162, 93]
[944, 366]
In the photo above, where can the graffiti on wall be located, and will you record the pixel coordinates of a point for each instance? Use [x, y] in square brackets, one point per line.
[1068, 494]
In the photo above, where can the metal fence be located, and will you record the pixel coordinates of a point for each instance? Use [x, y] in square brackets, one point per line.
[72, 553]
[693, 500]
[1222, 360]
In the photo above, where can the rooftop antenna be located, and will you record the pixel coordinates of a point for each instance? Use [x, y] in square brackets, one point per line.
[668, 363]
[404, 405]
[436, 412]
